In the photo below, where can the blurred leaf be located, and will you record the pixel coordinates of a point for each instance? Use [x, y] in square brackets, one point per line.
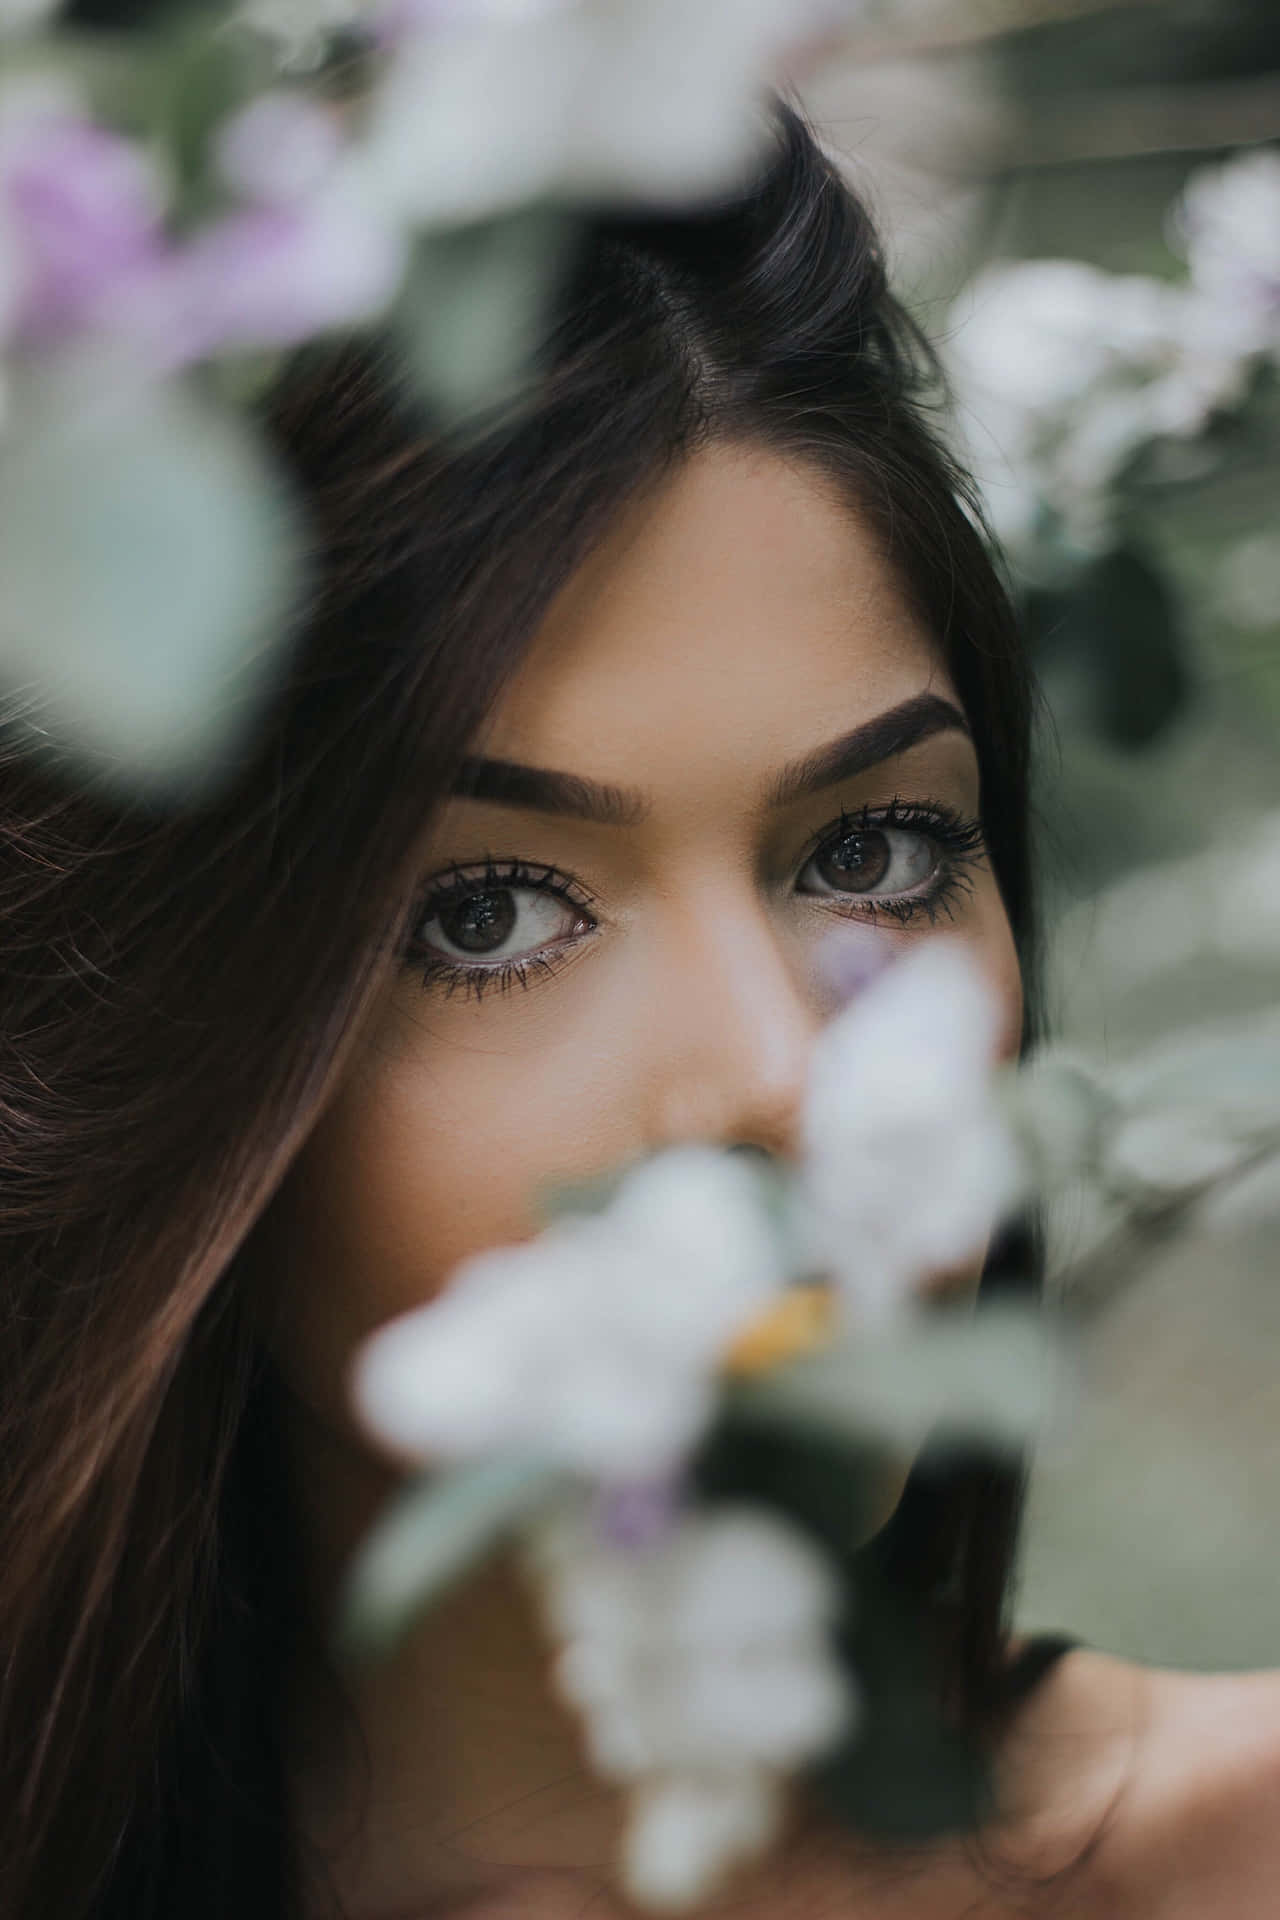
[1111, 649]
[475, 304]
[149, 560]
[430, 1535]
[200, 79]
[975, 1376]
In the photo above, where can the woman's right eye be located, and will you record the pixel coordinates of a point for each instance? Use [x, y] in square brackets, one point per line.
[498, 923]
[495, 925]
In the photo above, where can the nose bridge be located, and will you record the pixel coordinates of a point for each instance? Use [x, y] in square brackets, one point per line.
[739, 1026]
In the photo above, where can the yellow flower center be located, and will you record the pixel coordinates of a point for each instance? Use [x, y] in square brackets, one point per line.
[802, 1319]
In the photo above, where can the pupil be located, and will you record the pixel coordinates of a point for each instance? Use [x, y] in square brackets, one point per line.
[857, 863]
[480, 922]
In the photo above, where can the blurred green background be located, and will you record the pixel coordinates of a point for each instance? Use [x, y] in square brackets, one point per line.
[1025, 129]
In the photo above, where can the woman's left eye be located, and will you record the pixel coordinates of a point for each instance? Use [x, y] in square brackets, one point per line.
[905, 860]
[872, 860]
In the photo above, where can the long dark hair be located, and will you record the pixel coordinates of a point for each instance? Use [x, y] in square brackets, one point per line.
[181, 989]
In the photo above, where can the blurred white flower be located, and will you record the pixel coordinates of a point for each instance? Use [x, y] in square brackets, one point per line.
[488, 107]
[19, 16]
[594, 1346]
[279, 149]
[1062, 373]
[1179, 912]
[908, 1163]
[1227, 224]
[1193, 1108]
[686, 1831]
[704, 1670]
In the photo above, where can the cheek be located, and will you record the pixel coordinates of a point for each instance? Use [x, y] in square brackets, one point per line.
[428, 1154]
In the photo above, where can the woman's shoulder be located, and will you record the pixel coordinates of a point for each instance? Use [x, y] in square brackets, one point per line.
[1154, 1792]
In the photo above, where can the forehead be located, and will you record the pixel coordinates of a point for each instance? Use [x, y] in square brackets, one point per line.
[740, 609]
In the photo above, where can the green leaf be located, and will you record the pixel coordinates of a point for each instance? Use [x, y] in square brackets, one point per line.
[202, 77]
[474, 307]
[981, 1377]
[430, 1535]
[149, 560]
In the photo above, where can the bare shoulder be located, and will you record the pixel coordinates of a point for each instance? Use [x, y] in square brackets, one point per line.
[1151, 1792]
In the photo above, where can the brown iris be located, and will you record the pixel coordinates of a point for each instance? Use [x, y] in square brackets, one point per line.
[480, 922]
[857, 863]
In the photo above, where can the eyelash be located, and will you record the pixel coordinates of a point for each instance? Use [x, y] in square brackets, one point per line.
[961, 847]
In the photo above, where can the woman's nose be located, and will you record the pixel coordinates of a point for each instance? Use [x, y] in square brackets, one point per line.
[733, 1033]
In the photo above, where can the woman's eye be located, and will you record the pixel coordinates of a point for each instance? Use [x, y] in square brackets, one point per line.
[498, 923]
[872, 860]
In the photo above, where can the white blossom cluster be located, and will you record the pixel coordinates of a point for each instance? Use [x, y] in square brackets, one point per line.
[1064, 373]
[704, 1672]
[696, 1640]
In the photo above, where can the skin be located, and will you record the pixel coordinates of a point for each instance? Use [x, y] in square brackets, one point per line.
[734, 622]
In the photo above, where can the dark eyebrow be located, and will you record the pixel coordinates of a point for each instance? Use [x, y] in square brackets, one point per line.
[890, 733]
[508, 784]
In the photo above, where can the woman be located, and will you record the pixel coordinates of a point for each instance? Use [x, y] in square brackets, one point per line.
[597, 727]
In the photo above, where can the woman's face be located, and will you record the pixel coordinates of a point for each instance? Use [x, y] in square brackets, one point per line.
[732, 745]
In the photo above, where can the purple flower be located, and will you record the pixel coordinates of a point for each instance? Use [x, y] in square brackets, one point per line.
[260, 277]
[637, 1513]
[850, 959]
[84, 214]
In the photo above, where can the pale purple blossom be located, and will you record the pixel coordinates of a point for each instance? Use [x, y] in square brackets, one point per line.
[264, 276]
[83, 212]
[636, 1513]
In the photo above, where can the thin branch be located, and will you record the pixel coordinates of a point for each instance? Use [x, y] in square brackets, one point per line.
[1000, 21]
[1090, 1284]
[1136, 121]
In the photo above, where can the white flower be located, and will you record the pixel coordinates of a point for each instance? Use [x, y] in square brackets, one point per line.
[279, 149]
[1194, 1107]
[686, 1831]
[596, 1344]
[654, 100]
[1227, 224]
[908, 1163]
[1062, 373]
[704, 1670]
[20, 16]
